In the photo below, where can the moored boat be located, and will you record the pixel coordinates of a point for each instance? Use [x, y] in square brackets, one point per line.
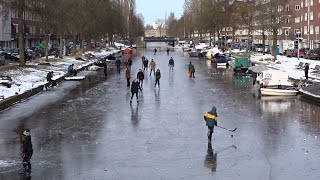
[311, 92]
[275, 83]
[278, 91]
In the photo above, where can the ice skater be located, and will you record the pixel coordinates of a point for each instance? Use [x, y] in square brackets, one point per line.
[171, 64]
[128, 76]
[27, 151]
[135, 87]
[155, 51]
[158, 76]
[191, 70]
[118, 65]
[145, 64]
[211, 119]
[152, 67]
[140, 77]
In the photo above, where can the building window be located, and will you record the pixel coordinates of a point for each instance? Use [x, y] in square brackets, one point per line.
[301, 4]
[311, 2]
[311, 29]
[286, 32]
[316, 29]
[305, 16]
[305, 30]
[311, 15]
[297, 7]
[287, 20]
[297, 20]
[296, 30]
[287, 7]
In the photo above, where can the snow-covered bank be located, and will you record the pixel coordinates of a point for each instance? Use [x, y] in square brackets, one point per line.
[288, 64]
[34, 75]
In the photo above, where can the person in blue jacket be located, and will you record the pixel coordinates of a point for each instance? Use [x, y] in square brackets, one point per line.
[211, 119]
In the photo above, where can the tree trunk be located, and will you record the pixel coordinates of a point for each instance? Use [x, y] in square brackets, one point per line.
[214, 37]
[248, 39]
[61, 46]
[264, 42]
[274, 45]
[210, 38]
[74, 47]
[219, 42]
[22, 59]
[233, 35]
[47, 47]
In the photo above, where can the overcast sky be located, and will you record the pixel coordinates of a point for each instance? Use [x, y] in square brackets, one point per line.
[156, 9]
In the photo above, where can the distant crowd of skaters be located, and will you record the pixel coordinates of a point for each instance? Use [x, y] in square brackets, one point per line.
[137, 83]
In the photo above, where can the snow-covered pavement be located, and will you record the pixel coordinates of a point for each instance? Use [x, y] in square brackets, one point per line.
[34, 75]
[289, 65]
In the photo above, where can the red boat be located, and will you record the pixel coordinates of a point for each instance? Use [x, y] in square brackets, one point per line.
[127, 51]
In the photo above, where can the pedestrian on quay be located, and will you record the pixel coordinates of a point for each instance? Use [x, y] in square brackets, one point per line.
[211, 119]
[140, 77]
[27, 151]
[155, 51]
[135, 87]
[191, 70]
[72, 71]
[171, 64]
[306, 70]
[158, 76]
[128, 76]
[129, 62]
[50, 81]
[145, 64]
[118, 65]
[152, 67]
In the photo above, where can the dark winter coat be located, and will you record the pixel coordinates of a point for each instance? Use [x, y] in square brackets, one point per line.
[135, 86]
[211, 117]
[171, 62]
[118, 63]
[49, 76]
[27, 145]
[145, 63]
[129, 62]
[158, 75]
[306, 68]
[191, 68]
[140, 75]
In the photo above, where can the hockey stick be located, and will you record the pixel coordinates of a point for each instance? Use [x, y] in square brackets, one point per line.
[227, 129]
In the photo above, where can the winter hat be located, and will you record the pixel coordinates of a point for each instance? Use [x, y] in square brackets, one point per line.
[26, 132]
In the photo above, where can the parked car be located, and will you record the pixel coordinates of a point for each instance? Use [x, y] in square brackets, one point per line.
[313, 54]
[15, 54]
[294, 53]
[7, 53]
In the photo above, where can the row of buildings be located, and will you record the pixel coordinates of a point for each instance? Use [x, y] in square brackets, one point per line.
[303, 19]
[33, 34]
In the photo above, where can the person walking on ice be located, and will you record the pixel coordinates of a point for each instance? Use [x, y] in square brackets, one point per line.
[26, 154]
[145, 64]
[140, 77]
[152, 67]
[128, 76]
[211, 119]
[135, 87]
[191, 70]
[158, 76]
[171, 64]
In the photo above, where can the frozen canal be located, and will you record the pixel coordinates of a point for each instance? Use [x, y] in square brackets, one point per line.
[88, 130]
